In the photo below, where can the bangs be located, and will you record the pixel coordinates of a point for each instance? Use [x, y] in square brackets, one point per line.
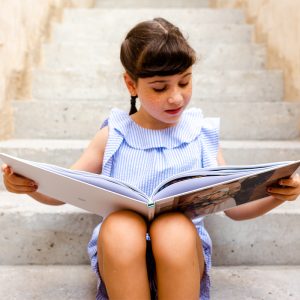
[169, 57]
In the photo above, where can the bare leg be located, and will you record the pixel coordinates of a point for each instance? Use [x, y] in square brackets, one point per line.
[122, 256]
[178, 255]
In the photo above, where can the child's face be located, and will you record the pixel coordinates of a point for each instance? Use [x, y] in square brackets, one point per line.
[163, 99]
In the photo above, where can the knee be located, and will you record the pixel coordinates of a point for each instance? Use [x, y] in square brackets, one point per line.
[123, 236]
[173, 237]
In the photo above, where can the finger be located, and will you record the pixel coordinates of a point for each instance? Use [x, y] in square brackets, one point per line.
[282, 191]
[19, 180]
[292, 182]
[285, 197]
[19, 189]
[22, 190]
[6, 169]
[12, 187]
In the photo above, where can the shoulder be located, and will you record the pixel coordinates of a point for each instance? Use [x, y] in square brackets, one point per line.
[99, 141]
[101, 136]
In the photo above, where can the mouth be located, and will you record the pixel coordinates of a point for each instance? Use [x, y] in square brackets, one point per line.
[173, 111]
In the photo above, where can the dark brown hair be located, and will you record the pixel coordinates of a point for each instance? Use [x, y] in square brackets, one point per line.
[155, 48]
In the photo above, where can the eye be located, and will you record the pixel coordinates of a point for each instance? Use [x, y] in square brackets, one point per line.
[184, 84]
[159, 90]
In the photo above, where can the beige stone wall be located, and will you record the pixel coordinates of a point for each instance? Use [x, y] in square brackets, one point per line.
[277, 24]
[24, 26]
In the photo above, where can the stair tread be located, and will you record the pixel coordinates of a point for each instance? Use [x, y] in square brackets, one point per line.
[195, 14]
[78, 282]
[18, 203]
[45, 143]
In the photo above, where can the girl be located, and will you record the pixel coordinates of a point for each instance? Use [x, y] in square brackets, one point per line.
[170, 257]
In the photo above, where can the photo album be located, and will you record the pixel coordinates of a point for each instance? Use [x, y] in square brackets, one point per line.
[195, 193]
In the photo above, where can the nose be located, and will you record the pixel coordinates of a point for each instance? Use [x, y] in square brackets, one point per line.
[176, 98]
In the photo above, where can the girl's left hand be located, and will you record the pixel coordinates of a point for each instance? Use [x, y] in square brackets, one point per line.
[289, 191]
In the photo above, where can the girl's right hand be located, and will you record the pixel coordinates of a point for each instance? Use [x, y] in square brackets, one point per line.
[15, 183]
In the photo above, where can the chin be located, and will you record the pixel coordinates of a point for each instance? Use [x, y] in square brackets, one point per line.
[170, 123]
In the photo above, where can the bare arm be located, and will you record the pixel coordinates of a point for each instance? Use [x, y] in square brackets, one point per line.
[220, 158]
[289, 191]
[253, 209]
[90, 161]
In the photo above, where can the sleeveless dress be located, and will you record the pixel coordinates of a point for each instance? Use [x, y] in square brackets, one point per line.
[158, 154]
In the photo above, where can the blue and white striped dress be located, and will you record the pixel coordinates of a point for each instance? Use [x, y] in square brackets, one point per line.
[158, 154]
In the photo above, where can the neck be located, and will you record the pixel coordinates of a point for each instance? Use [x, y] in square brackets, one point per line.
[146, 121]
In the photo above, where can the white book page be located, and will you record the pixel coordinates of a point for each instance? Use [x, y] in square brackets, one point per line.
[191, 185]
[83, 195]
[221, 171]
[99, 180]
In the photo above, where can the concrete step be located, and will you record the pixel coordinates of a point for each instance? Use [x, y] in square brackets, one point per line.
[155, 3]
[255, 282]
[62, 120]
[195, 16]
[221, 33]
[65, 152]
[47, 283]
[34, 233]
[78, 282]
[211, 56]
[240, 86]
[249, 152]
[261, 241]
[58, 152]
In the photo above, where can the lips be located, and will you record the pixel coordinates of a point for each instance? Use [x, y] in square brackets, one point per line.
[173, 111]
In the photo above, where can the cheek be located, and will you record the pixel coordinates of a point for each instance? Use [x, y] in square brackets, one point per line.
[154, 106]
[150, 100]
[188, 97]
[188, 92]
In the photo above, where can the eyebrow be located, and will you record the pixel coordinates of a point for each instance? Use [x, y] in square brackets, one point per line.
[157, 81]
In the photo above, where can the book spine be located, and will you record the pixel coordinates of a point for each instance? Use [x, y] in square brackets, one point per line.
[151, 209]
[151, 212]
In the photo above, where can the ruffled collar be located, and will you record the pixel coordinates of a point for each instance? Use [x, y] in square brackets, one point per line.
[185, 131]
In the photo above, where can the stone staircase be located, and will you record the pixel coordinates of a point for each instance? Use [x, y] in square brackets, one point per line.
[43, 248]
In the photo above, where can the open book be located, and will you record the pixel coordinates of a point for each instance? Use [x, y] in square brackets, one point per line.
[196, 193]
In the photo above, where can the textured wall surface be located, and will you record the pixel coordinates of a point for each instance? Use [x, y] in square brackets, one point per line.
[277, 24]
[24, 25]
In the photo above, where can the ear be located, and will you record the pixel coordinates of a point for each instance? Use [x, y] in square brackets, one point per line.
[131, 84]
